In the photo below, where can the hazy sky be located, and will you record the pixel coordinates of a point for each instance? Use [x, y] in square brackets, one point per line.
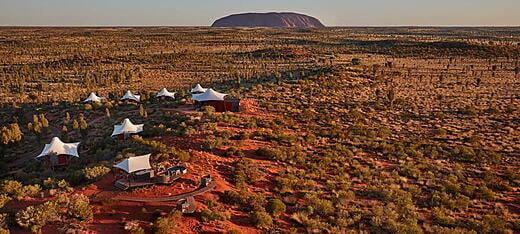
[204, 12]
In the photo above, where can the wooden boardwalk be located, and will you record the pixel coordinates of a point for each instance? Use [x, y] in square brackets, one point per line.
[177, 197]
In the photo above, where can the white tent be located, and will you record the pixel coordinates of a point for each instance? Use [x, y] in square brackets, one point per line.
[58, 147]
[93, 98]
[198, 89]
[134, 164]
[130, 96]
[210, 95]
[164, 93]
[127, 127]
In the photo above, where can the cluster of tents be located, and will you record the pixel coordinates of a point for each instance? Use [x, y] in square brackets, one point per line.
[57, 153]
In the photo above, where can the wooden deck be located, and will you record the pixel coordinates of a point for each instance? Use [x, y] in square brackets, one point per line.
[125, 184]
[177, 197]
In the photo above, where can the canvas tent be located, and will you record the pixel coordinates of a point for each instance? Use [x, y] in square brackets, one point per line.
[216, 100]
[135, 164]
[59, 153]
[93, 98]
[209, 95]
[129, 96]
[165, 93]
[198, 89]
[127, 128]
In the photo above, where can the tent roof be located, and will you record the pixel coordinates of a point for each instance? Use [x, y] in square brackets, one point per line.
[58, 147]
[165, 93]
[210, 95]
[198, 89]
[134, 164]
[127, 127]
[93, 98]
[130, 96]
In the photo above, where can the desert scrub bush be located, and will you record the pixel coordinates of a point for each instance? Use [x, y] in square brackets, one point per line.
[242, 135]
[262, 219]
[36, 217]
[168, 224]
[442, 217]
[17, 190]
[95, 173]
[271, 153]
[10, 134]
[319, 206]
[245, 171]
[78, 207]
[208, 111]
[392, 219]
[456, 201]
[134, 228]
[183, 156]
[214, 212]
[4, 199]
[233, 151]
[213, 142]
[276, 207]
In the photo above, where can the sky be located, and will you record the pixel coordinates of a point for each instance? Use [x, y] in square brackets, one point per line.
[204, 12]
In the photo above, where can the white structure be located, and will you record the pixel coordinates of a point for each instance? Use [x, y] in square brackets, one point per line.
[198, 89]
[134, 164]
[164, 93]
[93, 98]
[127, 128]
[57, 147]
[129, 96]
[209, 95]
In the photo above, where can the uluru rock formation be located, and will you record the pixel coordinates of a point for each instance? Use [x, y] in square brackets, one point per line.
[273, 19]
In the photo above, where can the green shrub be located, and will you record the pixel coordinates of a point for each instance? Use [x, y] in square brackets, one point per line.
[213, 212]
[262, 219]
[233, 151]
[78, 206]
[35, 217]
[276, 207]
[95, 173]
[184, 156]
[168, 224]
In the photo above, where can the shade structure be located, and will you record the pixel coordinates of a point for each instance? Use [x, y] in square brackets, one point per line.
[131, 97]
[127, 127]
[198, 89]
[165, 93]
[59, 148]
[93, 98]
[134, 164]
[209, 95]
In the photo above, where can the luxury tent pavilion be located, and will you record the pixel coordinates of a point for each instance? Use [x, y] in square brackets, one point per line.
[129, 96]
[93, 98]
[198, 89]
[138, 173]
[126, 128]
[58, 153]
[216, 100]
[164, 93]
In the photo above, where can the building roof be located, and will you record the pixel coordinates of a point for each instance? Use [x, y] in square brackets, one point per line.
[130, 96]
[198, 89]
[127, 127]
[93, 98]
[164, 93]
[209, 95]
[134, 164]
[58, 147]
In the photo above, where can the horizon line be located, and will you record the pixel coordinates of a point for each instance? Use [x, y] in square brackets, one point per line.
[209, 26]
